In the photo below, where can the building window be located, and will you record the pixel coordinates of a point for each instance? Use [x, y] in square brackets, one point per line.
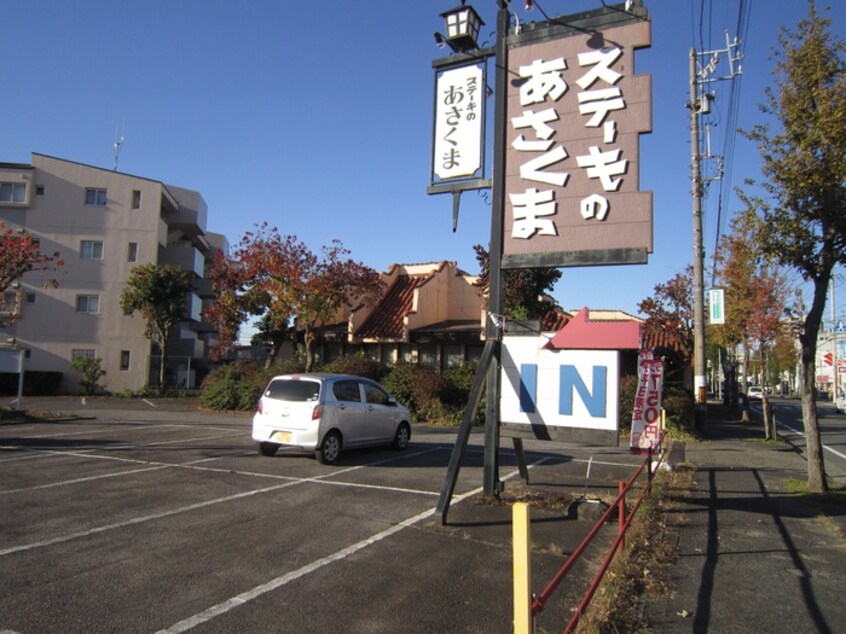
[95, 196]
[387, 355]
[39, 190]
[91, 250]
[30, 298]
[473, 354]
[136, 199]
[10, 303]
[82, 353]
[453, 356]
[124, 359]
[428, 356]
[132, 253]
[27, 353]
[12, 192]
[88, 304]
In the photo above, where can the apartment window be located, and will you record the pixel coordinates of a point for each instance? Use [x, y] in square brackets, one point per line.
[136, 199]
[10, 302]
[95, 196]
[82, 353]
[91, 250]
[30, 298]
[88, 304]
[12, 192]
[124, 359]
[39, 190]
[132, 253]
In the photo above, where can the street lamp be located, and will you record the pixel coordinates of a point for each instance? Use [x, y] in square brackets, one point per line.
[462, 25]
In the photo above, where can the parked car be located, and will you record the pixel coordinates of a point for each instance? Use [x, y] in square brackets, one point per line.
[754, 393]
[326, 413]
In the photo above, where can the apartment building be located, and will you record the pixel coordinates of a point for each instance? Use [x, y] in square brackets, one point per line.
[103, 223]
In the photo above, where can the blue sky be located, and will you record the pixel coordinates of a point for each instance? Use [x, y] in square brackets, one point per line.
[316, 117]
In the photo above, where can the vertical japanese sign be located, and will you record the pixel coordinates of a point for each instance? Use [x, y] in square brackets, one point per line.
[716, 306]
[457, 151]
[646, 413]
[575, 113]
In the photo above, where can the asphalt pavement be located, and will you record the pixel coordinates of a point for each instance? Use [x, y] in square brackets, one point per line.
[753, 556]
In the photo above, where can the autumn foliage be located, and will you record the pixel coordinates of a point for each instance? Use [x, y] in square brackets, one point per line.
[20, 254]
[279, 278]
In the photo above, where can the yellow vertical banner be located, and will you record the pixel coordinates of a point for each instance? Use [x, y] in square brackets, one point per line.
[522, 547]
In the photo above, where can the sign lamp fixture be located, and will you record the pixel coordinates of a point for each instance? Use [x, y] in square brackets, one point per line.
[462, 26]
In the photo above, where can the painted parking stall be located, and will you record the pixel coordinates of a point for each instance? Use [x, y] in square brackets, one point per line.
[173, 522]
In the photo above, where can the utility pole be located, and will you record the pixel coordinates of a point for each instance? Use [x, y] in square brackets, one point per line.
[835, 378]
[699, 383]
[700, 104]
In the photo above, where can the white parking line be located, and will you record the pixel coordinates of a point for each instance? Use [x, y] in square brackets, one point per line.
[140, 520]
[97, 432]
[322, 479]
[249, 595]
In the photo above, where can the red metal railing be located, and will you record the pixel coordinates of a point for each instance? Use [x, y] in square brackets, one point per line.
[625, 520]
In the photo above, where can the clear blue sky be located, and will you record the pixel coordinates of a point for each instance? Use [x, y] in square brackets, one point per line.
[316, 117]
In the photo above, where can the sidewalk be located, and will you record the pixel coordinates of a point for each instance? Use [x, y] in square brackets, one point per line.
[752, 556]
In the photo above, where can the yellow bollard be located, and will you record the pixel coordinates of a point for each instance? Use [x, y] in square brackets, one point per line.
[522, 546]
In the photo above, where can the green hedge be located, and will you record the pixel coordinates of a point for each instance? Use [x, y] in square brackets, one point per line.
[431, 397]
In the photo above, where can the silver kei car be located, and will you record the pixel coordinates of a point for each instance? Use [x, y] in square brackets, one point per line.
[326, 413]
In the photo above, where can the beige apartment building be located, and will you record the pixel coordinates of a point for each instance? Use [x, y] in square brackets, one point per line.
[103, 223]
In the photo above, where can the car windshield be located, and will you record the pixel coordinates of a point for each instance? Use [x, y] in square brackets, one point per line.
[293, 390]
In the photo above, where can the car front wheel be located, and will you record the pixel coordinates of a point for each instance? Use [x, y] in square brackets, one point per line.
[402, 437]
[329, 449]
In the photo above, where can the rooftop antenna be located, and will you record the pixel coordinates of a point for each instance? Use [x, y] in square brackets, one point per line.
[118, 143]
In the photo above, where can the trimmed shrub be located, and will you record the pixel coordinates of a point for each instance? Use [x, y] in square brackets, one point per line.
[235, 386]
[456, 393]
[90, 372]
[628, 391]
[679, 406]
[419, 389]
[357, 364]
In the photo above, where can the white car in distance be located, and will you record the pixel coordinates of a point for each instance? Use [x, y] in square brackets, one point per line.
[326, 413]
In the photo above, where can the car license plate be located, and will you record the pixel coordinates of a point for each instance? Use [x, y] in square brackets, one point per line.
[282, 436]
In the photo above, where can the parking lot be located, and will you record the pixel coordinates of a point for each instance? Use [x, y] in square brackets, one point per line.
[133, 516]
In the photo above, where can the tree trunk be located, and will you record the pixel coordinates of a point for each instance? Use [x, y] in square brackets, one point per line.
[162, 372]
[808, 340]
[813, 442]
[744, 383]
[163, 336]
[309, 350]
[765, 415]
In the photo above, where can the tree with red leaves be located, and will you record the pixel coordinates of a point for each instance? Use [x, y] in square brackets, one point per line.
[669, 320]
[279, 278]
[20, 254]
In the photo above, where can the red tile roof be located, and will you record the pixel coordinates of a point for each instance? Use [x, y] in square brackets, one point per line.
[387, 318]
[554, 320]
